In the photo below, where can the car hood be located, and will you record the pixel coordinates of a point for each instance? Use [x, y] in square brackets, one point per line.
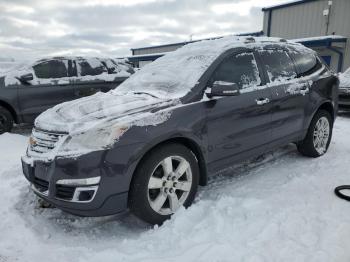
[98, 111]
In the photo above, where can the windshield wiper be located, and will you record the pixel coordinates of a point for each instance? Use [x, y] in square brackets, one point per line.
[141, 93]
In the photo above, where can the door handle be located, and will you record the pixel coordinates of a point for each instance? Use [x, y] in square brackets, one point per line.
[262, 101]
[304, 89]
[298, 90]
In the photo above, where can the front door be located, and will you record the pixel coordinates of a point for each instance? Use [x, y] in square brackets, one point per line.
[238, 125]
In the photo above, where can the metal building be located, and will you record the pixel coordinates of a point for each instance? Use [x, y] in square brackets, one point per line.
[144, 55]
[324, 26]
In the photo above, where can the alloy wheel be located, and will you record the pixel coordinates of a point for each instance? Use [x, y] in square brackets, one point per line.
[169, 185]
[321, 135]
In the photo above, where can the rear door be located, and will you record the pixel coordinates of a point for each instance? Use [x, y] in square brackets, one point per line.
[92, 77]
[238, 125]
[290, 94]
[51, 85]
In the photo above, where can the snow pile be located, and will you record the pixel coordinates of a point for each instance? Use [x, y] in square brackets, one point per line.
[344, 79]
[279, 207]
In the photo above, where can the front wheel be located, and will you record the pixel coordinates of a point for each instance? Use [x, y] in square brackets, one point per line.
[6, 120]
[319, 135]
[165, 180]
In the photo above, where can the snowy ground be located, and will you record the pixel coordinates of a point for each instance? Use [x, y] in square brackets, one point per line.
[279, 207]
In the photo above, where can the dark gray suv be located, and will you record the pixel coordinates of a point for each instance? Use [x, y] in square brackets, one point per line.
[148, 144]
[28, 90]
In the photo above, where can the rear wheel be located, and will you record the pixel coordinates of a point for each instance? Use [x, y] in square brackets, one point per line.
[6, 120]
[319, 135]
[165, 180]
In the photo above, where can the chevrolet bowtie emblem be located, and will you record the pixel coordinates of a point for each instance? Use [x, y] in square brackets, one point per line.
[32, 141]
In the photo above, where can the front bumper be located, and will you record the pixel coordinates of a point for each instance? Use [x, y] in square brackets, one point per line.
[98, 197]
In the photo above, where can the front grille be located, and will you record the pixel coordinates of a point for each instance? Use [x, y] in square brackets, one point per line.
[43, 141]
[41, 185]
[64, 192]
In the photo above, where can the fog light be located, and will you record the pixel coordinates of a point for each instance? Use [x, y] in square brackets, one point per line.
[86, 195]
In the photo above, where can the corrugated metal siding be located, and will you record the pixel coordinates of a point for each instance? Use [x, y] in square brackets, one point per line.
[265, 22]
[307, 20]
[304, 20]
[340, 25]
[340, 18]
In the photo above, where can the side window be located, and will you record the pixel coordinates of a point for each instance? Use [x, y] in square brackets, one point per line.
[240, 69]
[91, 67]
[278, 64]
[307, 63]
[51, 69]
[111, 67]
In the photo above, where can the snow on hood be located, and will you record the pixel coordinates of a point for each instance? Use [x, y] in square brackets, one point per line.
[97, 111]
[344, 79]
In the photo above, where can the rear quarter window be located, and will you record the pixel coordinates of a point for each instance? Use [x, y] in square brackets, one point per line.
[307, 63]
[90, 67]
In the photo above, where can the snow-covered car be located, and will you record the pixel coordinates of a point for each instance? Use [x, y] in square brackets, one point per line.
[148, 144]
[28, 90]
[344, 89]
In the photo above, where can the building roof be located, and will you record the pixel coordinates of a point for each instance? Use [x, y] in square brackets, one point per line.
[291, 3]
[258, 33]
[321, 40]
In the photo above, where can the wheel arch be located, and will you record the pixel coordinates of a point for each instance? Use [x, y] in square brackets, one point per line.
[10, 109]
[327, 106]
[190, 144]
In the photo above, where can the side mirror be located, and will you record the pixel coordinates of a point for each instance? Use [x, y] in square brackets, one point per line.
[222, 88]
[26, 78]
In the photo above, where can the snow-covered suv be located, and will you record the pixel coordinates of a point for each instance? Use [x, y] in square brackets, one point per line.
[148, 144]
[29, 89]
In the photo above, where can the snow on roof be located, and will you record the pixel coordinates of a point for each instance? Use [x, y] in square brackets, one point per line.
[177, 72]
[318, 38]
[287, 4]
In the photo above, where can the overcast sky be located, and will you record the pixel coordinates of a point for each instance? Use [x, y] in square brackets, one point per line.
[35, 28]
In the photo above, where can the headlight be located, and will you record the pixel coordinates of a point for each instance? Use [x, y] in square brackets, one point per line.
[96, 139]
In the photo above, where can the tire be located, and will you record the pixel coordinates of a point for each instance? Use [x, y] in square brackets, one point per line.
[153, 181]
[6, 120]
[313, 145]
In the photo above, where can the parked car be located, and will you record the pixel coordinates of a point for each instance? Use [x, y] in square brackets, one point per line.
[148, 144]
[344, 89]
[27, 91]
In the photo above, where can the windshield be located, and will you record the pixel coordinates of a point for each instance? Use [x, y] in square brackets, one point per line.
[173, 75]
